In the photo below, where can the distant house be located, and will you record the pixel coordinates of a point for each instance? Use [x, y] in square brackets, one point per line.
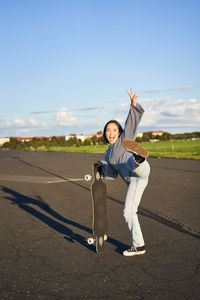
[4, 140]
[78, 136]
[82, 137]
[24, 139]
[29, 139]
[89, 136]
[155, 133]
[140, 134]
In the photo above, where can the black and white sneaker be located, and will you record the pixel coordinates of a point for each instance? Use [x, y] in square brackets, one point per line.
[134, 251]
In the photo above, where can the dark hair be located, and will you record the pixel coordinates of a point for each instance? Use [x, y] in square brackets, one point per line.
[116, 123]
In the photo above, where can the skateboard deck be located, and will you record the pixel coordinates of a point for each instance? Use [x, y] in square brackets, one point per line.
[99, 211]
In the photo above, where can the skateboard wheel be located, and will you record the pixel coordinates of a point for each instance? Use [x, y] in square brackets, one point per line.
[90, 241]
[101, 241]
[87, 177]
[98, 176]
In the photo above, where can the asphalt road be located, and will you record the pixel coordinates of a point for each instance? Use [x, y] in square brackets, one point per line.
[45, 221]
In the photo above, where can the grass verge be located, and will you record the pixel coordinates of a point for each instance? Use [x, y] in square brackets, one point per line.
[166, 149]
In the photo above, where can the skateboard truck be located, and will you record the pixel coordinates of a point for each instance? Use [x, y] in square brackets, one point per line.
[92, 240]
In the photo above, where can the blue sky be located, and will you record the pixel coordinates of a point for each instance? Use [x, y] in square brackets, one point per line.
[65, 65]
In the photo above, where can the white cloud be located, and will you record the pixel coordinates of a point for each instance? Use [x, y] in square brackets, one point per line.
[42, 112]
[175, 88]
[16, 126]
[123, 108]
[91, 108]
[34, 122]
[120, 120]
[167, 113]
[7, 125]
[171, 113]
[20, 125]
[160, 114]
[19, 122]
[64, 118]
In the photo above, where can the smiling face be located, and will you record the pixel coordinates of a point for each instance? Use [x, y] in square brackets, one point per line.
[112, 133]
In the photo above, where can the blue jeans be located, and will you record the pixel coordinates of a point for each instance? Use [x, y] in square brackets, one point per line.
[136, 186]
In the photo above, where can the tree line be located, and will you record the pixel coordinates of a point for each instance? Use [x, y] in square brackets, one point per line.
[53, 142]
[74, 141]
[166, 136]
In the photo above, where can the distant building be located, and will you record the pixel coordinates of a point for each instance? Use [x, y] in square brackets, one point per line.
[4, 140]
[29, 139]
[140, 134]
[82, 137]
[24, 139]
[155, 133]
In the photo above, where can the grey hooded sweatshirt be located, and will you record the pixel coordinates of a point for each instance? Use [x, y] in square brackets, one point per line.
[116, 155]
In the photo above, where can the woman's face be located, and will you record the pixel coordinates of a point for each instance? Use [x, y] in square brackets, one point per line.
[112, 133]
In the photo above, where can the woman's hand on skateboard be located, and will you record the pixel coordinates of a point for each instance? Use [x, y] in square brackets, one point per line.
[98, 164]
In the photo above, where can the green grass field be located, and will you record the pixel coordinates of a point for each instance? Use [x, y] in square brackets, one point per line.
[175, 149]
[168, 149]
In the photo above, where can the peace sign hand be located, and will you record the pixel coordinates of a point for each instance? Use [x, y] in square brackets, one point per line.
[132, 97]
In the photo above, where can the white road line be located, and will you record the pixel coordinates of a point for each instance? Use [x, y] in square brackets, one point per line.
[30, 179]
[40, 179]
[56, 180]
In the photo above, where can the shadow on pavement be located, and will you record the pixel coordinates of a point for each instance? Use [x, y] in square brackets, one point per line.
[179, 227]
[163, 220]
[25, 202]
[145, 212]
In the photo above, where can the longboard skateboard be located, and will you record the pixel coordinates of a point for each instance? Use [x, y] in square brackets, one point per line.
[99, 211]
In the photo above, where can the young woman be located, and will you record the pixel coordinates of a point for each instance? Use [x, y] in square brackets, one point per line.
[128, 159]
